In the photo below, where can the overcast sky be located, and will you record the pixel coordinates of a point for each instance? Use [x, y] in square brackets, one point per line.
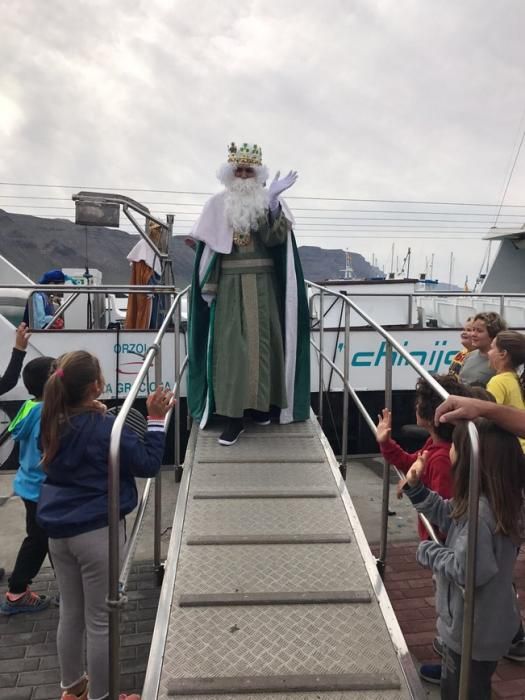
[402, 100]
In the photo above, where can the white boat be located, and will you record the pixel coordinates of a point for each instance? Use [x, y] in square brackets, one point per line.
[426, 323]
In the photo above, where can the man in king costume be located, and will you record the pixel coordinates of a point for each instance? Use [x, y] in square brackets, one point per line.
[248, 329]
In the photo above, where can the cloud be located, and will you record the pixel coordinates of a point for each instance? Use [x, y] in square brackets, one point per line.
[397, 100]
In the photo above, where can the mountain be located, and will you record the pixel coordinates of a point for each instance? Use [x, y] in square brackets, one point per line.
[34, 245]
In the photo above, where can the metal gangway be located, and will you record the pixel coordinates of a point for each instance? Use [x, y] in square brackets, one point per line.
[270, 588]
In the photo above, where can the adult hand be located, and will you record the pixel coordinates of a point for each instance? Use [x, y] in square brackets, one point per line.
[415, 472]
[159, 402]
[278, 186]
[457, 408]
[384, 426]
[22, 337]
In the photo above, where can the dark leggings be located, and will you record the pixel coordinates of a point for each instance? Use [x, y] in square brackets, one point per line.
[480, 677]
[31, 554]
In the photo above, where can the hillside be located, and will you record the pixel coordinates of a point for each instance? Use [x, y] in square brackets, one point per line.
[34, 245]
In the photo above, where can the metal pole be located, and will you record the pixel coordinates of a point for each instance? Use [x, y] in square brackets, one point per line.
[346, 362]
[30, 311]
[502, 306]
[470, 574]
[321, 342]
[410, 321]
[386, 469]
[114, 573]
[158, 482]
[176, 359]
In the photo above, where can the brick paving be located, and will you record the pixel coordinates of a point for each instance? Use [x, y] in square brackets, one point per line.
[410, 590]
[28, 657]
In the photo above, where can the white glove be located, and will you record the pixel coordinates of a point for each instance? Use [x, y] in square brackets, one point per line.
[277, 187]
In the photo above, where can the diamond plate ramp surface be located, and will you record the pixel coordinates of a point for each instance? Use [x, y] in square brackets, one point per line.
[273, 640]
[261, 475]
[271, 517]
[208, 569]
[252, 448]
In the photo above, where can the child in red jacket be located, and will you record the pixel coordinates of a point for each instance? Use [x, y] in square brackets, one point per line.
[437, 475]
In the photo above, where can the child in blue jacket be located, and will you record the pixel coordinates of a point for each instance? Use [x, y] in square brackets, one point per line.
[73, 509]
[25, 429]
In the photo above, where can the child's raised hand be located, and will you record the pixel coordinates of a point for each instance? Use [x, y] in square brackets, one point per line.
[159, 402]
[22, 337]
[384, 426]
[415, 472]
[399, 487]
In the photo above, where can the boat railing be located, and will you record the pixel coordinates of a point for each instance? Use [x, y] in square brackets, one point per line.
[118, 574]
[348, 391]
[419, 304]
[74, 291]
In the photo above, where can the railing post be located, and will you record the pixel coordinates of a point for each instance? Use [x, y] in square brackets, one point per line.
[502, 306]
[410, 310]
[30, 311]
[114, 572]
[176, 363]
[386, 469]
[346, 361]
[321, 343]
[470, 573]
[158, 487]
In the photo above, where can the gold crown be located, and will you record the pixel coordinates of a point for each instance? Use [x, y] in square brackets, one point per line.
[247, 154]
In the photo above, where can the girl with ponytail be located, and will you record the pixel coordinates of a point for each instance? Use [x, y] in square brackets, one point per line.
[73, 509]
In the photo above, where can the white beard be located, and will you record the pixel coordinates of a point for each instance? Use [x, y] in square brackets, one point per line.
[245, 203]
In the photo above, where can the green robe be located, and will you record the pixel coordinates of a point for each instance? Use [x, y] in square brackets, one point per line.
[237, 341]
[248, 355]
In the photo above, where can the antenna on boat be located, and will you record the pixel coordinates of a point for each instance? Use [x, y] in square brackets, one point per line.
[348, 272]
[392, 261]
[406, 262]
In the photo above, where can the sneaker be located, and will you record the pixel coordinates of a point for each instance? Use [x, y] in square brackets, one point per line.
[516, 651]
[431, 673]
[24, 602]
[437, 645]
[230, 435]
[261, 417]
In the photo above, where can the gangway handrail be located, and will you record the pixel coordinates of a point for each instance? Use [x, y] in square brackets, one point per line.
[468, 618]
[368, 420]
[115, 598]
[129, 549]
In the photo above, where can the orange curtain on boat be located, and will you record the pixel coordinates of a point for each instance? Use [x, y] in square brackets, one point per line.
[138, 314]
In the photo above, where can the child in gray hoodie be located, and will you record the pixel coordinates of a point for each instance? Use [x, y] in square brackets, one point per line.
[496, 614]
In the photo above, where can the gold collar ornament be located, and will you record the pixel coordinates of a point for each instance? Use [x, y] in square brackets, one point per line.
[241, 238]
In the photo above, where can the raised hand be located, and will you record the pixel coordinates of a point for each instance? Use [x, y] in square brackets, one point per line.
[384, 426]
[278, 186]
[415, 472]
[22, 337]
[159, 402]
